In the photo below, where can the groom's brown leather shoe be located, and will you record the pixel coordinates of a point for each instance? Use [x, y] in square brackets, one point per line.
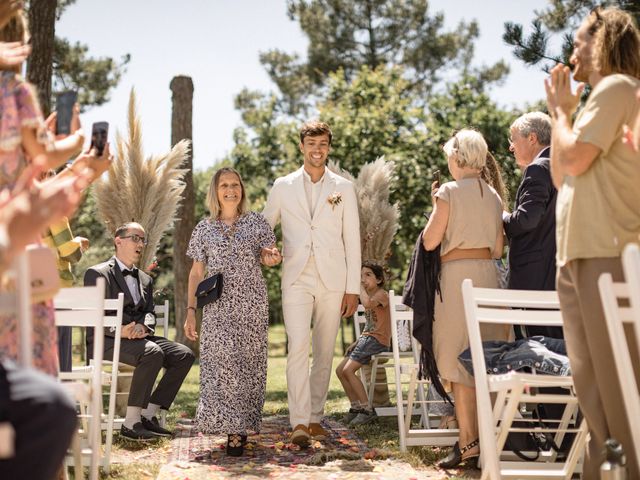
[317, 432]
[300, 436]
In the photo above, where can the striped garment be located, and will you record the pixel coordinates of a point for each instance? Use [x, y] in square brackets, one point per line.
[60, 238]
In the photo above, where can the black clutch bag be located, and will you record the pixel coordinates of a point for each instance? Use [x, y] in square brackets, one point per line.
[209, 290]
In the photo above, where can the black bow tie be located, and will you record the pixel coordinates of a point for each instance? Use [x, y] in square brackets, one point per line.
[133, 273]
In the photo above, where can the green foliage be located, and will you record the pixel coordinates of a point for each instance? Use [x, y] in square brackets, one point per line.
[86, 224]
[93, 78]
[375, 113]
[75, 69]
[345, 35]
[561, 17]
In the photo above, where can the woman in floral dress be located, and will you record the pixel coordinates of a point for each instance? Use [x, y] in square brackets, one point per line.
[233, 337]
[23, 137]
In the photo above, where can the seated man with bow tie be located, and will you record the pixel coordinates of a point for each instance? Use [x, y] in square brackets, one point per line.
[140, 348]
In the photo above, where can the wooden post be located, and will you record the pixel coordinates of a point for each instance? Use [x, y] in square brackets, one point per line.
[42, 21]
[181, 128]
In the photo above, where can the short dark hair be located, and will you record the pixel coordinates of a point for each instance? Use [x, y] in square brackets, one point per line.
[315, 128]
[123, 229]
[377, 270]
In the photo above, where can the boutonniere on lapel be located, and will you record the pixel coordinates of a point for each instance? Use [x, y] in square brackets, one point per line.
[334, 199]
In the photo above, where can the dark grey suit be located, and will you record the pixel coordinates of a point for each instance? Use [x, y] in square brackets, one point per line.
[149, 355]
[531, 230]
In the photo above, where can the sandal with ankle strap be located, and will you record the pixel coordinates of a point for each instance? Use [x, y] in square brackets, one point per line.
[455, 456]
[235, 446]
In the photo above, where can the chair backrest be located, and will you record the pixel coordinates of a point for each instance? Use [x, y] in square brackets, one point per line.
[162, 318]
[84, 307]
[358, 321]
[401, 324]
[631, 267]
[621, 305]
[498, 306]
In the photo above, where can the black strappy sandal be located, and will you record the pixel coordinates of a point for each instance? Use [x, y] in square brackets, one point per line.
[235, 446]
[455, 456]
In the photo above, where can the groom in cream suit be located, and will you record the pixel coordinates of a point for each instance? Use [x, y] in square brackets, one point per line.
[321, 273]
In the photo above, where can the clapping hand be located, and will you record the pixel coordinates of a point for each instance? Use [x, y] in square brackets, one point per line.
[270, 256]
[13, 54]
[559, 94]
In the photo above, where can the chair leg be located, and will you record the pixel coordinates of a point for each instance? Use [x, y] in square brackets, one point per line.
[372, 381]
[163, 418]
[78, 469]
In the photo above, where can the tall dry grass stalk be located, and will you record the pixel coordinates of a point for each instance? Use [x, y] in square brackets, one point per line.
[378, 218]
[147, 191]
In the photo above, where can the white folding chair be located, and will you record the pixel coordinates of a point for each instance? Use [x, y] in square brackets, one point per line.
[507, 307]
[162, 321]
[406, 366]
[113, 322]
[84, 307]
[126, 371]
[613, 295]
[378, 362]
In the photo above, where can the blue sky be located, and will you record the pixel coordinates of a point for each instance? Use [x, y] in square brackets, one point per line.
[216, 42]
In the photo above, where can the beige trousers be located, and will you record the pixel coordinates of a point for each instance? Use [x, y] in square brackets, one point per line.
[591, 358]
[308, 299]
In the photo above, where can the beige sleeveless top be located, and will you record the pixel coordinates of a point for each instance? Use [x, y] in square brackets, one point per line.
[475, 214]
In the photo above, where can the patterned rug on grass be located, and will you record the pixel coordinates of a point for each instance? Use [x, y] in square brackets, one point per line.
[269, 455]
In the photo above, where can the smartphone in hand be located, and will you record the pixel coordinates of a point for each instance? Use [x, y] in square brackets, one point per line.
[64, 111]
[99, 135]
[436, 178]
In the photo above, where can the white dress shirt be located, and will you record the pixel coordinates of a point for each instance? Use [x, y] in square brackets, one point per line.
[312, 190]
[132, 282]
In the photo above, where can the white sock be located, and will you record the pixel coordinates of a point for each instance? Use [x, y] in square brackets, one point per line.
[150, 411]
[132, 417]
[356, 405]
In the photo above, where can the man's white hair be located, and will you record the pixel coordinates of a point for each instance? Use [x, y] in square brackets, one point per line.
[534, 122]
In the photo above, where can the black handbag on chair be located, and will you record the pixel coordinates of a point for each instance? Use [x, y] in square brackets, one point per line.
[209, 290]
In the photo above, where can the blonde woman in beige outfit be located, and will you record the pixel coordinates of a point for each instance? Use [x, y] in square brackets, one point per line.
[466, 222]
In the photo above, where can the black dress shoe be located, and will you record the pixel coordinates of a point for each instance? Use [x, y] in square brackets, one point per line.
[154, 427]
[235, 446]
[137, 433]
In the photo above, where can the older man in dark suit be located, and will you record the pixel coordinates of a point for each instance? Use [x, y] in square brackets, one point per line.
[531, 227]
[139, 346]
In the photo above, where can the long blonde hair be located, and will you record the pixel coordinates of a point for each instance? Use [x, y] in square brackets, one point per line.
[492, 174]
[212, 202]
[616, 42]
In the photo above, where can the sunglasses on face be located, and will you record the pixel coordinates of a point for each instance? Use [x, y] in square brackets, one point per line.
[136, 239]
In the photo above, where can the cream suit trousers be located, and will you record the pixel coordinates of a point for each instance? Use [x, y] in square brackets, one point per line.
[308, 297]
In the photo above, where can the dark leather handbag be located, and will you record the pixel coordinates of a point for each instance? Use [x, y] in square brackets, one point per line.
[209, 290]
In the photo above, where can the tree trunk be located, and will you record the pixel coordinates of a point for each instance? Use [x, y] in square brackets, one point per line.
[42, 21]
[181, 128]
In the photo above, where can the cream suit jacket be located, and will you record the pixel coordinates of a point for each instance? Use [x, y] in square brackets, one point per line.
[333, 233]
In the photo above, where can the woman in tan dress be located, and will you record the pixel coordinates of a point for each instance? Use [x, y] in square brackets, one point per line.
[467, 224]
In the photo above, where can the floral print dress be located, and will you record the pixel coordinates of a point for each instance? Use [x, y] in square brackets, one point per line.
[233, 337]
[19, 108]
